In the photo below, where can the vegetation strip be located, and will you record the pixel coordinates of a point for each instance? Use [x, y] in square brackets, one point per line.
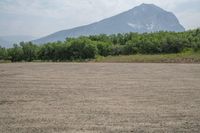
[147, 47]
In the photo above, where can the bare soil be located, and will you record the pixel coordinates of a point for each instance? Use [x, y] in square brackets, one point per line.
[99, 98]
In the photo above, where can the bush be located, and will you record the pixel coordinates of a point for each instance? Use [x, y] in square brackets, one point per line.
[15, 53]
[3, 53]
[57, 51]
[172, 45]
[104, 48]
[82, 48]
[130, 48]
[29, 51]
[116, 49]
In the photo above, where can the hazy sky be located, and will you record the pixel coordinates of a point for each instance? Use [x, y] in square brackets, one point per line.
[42, 17]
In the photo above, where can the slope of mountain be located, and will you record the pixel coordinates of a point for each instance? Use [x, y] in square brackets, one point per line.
[4, 43]
[18, 38]
[143, 18]
[8, 41]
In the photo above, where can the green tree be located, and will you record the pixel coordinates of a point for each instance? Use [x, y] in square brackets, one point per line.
[130, 48]
[116, 49]
[82, 48]
[104, 48]
[3, 53]
[15, 53]
[29, 51]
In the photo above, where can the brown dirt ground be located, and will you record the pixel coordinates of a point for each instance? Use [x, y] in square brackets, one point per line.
[99, 98]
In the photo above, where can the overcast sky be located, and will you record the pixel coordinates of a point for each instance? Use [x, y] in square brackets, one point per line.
[42, 17]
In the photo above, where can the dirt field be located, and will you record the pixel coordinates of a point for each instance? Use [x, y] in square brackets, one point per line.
[99, 98]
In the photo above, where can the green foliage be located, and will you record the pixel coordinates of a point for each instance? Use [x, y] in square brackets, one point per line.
[3, 53]
[29, 51]
[172, 45]
[100, 38]
[15, 53]
[130, 48]
[53, 51]
[83, 48]
[116, 49]
[104, 48]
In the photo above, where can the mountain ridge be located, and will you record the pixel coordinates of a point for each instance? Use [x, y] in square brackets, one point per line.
[3, 43]
[142, 18]
[8, 41]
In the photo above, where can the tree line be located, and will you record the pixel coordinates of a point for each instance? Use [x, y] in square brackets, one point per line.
[88, 47]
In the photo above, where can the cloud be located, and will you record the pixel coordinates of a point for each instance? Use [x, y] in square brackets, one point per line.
[41, 17]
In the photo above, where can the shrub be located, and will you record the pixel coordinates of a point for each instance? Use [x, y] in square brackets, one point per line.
[104, 48]
[3, 53]
[82, 48]
[15, 53]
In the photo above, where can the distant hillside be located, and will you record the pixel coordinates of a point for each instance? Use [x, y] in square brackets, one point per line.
[4, 43]
[143, 18]
[8, 41]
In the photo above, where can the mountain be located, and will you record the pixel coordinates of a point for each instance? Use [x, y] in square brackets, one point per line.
[8, 41]
[4, 43]
[143, 18]
[18, 38]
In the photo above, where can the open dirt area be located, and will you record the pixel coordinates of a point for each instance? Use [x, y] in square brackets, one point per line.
[99, 98]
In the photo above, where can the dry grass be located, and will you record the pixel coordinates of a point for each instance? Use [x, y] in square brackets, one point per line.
[107, 98]
[158, 58]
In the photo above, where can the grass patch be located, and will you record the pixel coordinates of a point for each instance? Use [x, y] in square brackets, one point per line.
[187, 57]
[5, 61]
